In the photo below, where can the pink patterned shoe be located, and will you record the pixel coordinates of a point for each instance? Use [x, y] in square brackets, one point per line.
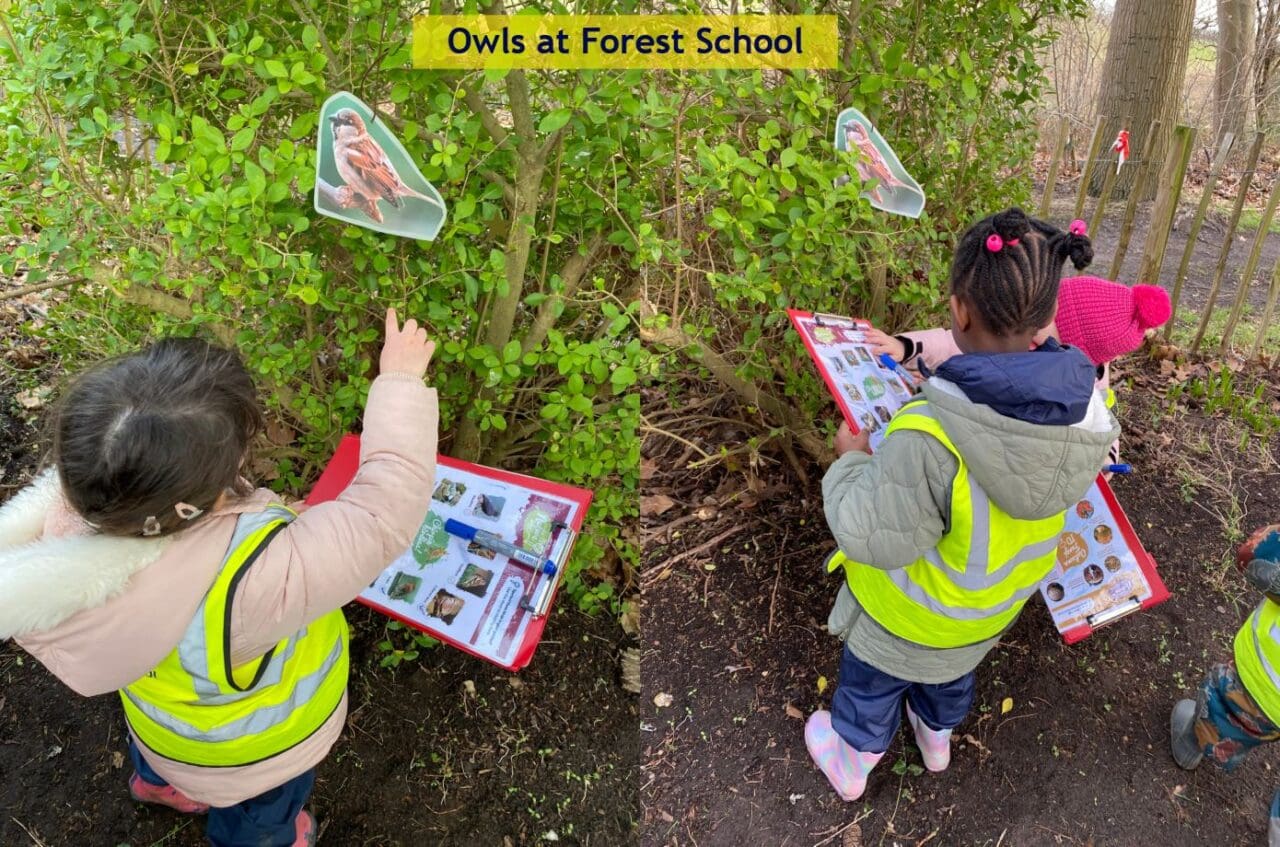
[845, 768]
[164, 795]
[305, 829]
[934, 744]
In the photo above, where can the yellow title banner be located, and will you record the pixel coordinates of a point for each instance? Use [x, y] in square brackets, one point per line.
[579, 42]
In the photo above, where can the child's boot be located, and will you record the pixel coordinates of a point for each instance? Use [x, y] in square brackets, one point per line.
[1182, 735]
[304, 829]
[164, 795]
[934, 744]
[845, 768]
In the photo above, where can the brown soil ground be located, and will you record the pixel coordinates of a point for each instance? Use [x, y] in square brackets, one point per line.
[1082, 756]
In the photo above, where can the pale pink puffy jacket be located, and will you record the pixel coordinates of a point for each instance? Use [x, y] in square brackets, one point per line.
[101, 611]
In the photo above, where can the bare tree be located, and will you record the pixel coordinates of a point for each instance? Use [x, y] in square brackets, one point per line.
[1266, 62]
[1233, 75]
[1142, 76]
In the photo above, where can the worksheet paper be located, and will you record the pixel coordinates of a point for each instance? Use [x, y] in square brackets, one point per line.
[460, 592]
[1102, 573]
[867, 392]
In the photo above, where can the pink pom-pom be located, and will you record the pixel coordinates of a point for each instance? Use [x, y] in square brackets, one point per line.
[1151, 305]
[994, 242]
[1078, 227]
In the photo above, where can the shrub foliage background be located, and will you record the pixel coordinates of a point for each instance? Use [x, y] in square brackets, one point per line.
[757, 227]
[165, 154]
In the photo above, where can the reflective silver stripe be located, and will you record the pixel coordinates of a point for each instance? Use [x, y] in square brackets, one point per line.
[912, 589]
[254, 723]
[977, 579]
[193, 652]
[271, 676]
[1257, 645]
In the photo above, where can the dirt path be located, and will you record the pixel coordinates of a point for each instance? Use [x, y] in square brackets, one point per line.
[1080, 759]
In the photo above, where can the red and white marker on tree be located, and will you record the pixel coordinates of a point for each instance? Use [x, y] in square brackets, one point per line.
[1121, 146]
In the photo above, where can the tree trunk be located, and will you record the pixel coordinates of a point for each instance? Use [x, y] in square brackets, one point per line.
[1266, 62]
[1142, 76]
[1233, 74]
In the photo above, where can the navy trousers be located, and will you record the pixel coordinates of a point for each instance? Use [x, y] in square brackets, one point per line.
[867, 705]
[263, 821]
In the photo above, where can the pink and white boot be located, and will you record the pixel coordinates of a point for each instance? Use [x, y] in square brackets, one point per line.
[845, 768]
[934, 744]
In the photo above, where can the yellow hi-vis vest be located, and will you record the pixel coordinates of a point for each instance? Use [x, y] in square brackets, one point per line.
[1257, 652]
[198, 709]
[971, 586]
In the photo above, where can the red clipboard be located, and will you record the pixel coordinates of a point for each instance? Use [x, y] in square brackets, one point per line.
[873, 414]
[529, 628]
[1146, 565]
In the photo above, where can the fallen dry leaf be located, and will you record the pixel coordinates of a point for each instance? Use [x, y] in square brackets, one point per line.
[469, 687]
[648, 467]
[822, 684]
[1006, 705]
[793, 712]
[655, 504]
[662, 699]
[33, 398]
[852, 836]
[117, 760]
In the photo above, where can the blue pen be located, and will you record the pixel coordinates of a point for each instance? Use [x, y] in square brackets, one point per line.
[1117, 468]
[501, 546]
[888, 362]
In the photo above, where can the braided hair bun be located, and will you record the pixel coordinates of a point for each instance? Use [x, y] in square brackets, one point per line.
[1011, 225]
[1008, 267]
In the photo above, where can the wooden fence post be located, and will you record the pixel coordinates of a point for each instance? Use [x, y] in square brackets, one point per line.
[1108, 185]
[1250, 265]
[1247, 177]
[1264, 323]
[1224, 148]
[1168, 192]
[1050, 181]
[1095, 147]
[1131, 208]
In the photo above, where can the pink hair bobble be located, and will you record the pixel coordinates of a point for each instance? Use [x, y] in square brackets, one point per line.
[995, 243]
[1078, 228]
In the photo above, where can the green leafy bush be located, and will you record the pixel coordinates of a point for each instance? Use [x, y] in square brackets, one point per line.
[164, 156]
[951, 84]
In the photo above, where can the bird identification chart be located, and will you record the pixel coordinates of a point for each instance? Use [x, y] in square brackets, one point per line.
[364, 176]
[1102, 572]
[464, 592]
[866, 390]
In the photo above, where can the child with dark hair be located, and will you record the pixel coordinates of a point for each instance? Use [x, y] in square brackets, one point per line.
[144, 562]
[1237, 707]
[1105, 319]
[951, 526]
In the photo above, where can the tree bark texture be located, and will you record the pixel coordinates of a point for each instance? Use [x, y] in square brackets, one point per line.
[1142, 77]
[1233, 75]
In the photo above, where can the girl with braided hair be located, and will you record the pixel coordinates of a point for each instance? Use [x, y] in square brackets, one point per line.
[1105, 319]
[950, 527]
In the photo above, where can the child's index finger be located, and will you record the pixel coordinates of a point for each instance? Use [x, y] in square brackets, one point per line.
[393, 325]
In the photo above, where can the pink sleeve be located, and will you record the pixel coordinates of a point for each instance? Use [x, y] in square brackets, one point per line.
[333, 550]
[934, 346]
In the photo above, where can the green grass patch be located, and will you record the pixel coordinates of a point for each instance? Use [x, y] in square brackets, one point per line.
[1188, 320]
[1251, 219]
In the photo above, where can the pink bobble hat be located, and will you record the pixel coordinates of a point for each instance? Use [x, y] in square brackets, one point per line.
[1107, 319]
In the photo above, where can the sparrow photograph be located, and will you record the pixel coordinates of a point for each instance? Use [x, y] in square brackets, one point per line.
[364, 176]
[891, 188]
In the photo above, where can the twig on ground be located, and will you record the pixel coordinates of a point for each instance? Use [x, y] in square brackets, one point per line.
[652, 573]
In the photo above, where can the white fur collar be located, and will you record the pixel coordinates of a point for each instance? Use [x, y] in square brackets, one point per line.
[44, 581]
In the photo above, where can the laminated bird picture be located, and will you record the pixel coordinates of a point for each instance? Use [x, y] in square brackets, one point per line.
[364, 176]
[886, 182]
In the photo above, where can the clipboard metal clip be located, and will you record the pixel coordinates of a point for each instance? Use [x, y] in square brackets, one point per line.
[1114, 613]
[834, 320]
[538, 606]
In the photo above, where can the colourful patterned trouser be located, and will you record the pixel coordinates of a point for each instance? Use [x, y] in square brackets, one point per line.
[1229, 723]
